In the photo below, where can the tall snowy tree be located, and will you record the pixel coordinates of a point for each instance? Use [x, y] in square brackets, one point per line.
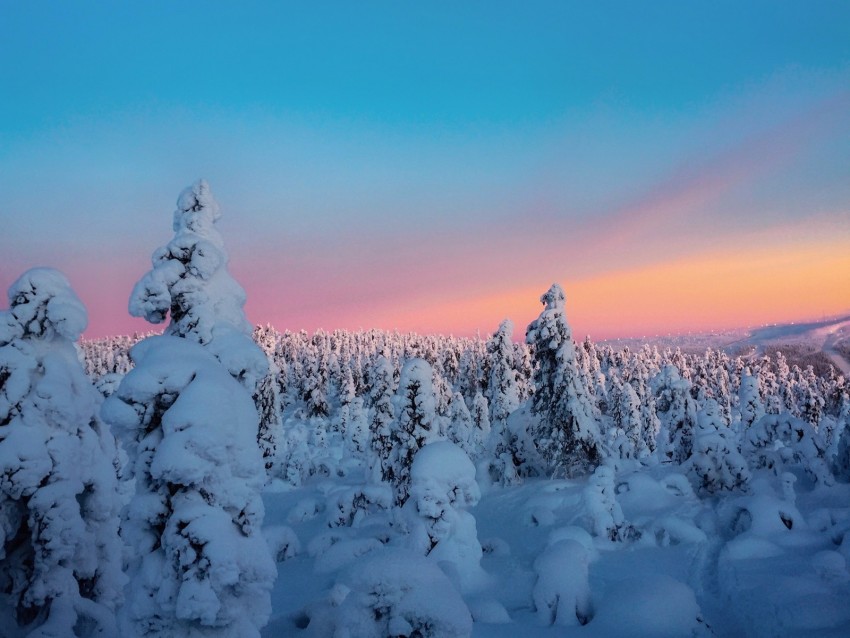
[749, 402]
[201, 565]
[59, 545]
[189, 283]
[628, 427]
[678, 412]
[415, 424]
[566, 434]
[481, 432]
[502, 391]
[460, 426]
[716, 464]
[382, 416]
[269, 431]
[841, 459]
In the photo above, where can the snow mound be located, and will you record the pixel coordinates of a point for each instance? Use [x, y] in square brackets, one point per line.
[562, 592]
[391, 592]
[651, 605]
[282, 541]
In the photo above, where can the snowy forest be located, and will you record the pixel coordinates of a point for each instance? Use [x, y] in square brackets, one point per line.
[222, 479]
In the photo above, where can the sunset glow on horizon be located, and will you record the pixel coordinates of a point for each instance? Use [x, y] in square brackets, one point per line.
[436, 168]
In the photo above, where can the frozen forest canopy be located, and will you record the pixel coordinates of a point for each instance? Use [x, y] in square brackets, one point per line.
[221, 479]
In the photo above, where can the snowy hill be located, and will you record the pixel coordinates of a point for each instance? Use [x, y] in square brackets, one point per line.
[809, 343]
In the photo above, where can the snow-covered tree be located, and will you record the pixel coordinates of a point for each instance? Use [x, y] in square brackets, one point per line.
[778, 441]
[460, 425]
[481, 432]
[750, 405]
[190, 283]
[567, 434]
[678, 413]
[190, 424]
[202, 566]
[346, 395]
[502, 393]
[716, 464]
[315, 384]
[443, 398]
[604, 512]
[627, 434]
[841, 461]
[442, 488]
[269, 431]
[357, 430]
[415, 423]
[59, 545]
[650, 423]
[562, 591]
[382, 416]
[392, 592]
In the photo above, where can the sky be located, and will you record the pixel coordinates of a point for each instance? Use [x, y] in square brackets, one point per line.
[435, 166]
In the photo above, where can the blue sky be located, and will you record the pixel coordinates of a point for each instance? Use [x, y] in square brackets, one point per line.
[426, 132]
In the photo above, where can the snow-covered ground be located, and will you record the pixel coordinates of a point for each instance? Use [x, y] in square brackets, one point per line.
[754, 565]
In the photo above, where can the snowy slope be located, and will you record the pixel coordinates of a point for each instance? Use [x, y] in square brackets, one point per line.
[816, 336]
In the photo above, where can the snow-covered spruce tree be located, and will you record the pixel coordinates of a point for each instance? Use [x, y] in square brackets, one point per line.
[650, 423]
[460, 426]
[603, 511]
[716, 464]
[808, 399]
[443, 399]
[201, 567]
[841, 460]
[502, 393]
[315, 384]
[627, 434]
[190, 283]
[566, 433]
[442, 488]
[524, 371]
[415, 423]
[382, 416]
[345, 396]
[481, 431]
[777, 441]
[678, 413]
[269, 430]
[391, 592]
[267, 399]
[60, 551]
[749, 402]
[356, 439]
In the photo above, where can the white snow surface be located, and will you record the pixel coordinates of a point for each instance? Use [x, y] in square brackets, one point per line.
[699, 566]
